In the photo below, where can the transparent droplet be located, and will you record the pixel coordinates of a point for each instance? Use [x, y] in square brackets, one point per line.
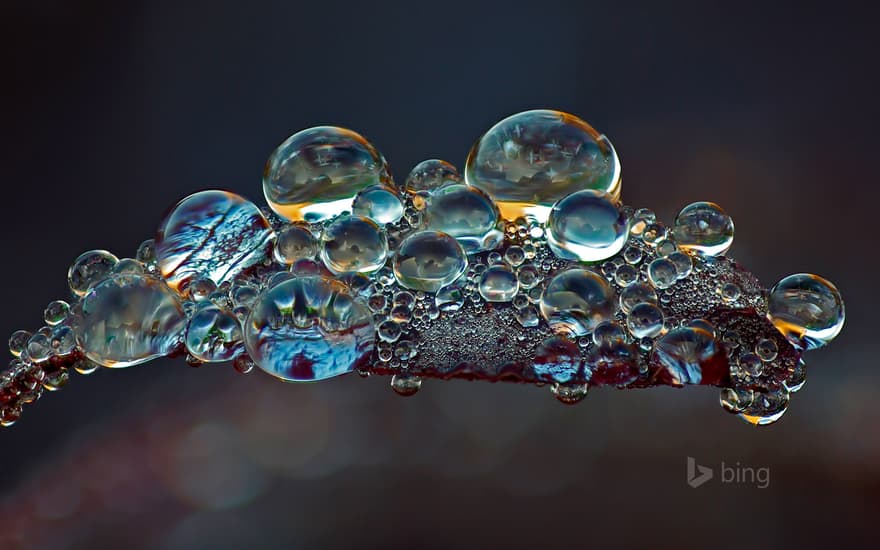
[308, 328]
[807, 309]
[569, 394]
[429, 175]
[89, 269]
[662, 273]
[449, 298]
[608, 332]
[405, 384]
[405, 350]
[612, 363]
[796, 378]
[528, 276]
[557, 359]
[682, 262]
[654, 233]
[766, 349]
[293, 243]
[751, 364]
[684, 352]
[316, 173]
[636, 294]
[702, 324]
[529, 161]
[128, 266]
[56, 312]
[146, 252]
[18, 341]
[466, 213]
[38, 348]
[576, 300]
[626, 275]
[730, 292]
[129, 319]
[527, 317]
[353, 244]
[211, 234]
[200, 289]
[735, 400]
[498, 284]
[703, 228]
[380, 203]
[645, 320]
[63, 340]
[632, 255]
[586, 226]
[765, 408]
[213, 335]
[666, 247]
[428, 261]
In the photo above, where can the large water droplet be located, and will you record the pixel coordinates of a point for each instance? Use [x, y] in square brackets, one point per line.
[807, 309]
[467, 214]
[577, 300]
[529, 161]
[704, 228]
[353, 244]
[212, 234]
[316, 173]
[586, 226]
[213, 334]
[293, 243]
[89, 269]
[429, 175]
[428, 261]
[308, 328]
[380, 203]
[128, 319]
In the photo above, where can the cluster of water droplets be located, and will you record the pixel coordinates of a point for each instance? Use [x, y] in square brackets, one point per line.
[528, 267]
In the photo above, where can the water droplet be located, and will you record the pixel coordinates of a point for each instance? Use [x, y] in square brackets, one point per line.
[243, 363]
[528, 276]
[612, 363]
[200, 289]
[213, 335]
[576, 300]
[626, 275]
[353, 244]
[636, 294]
[654, 233]
[316, 173]
[63, 340]
[38, 348]
[666, 247]
[84, 366]
[751, 364]
[569, 394]
[293, 243]
[405, 385]
[146, 252]
[796, 378]
[557, 359]
[807, 309]
[682, 262]
[405, 350]
[212, 234]
[308, 328]
[632, 255]
[528, 161]
[18, 341]
[766, 349]
[129, 319]
[702, 324]
[380, 203]
[645, 320]
[527, 317]
[735, 400]
[684, 352]
[56, 312]
[498, 284]
[608, 332]
[428, 261]
[466, 213]
[703, 228]
[89, 269]
[662, 273]
[730, 292]
[514, 255]
[766, 408]
[586, 226]
[429, 175]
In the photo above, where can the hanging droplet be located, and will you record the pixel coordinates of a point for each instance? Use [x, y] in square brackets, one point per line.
[129, 319]
[807, 309]
[569, 394]
[212, 234]
[765, 408]
[308, 328]
[498, 284]
[317, 172]
[531, 160]
[557, 359]
[586, 226]
[293, 243]
[429, 175]
[380, 203]
[466, 213]
[576, 301]
[353, 244]
[405, 385]
[213, 335]
[89, 269]
[428, 261]
[703, 228]
[796, 378]
[689, 356]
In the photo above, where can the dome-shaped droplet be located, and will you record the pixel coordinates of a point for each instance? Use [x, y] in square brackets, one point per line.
[89, 269]
[293, 243]
[586, 226]
[380, 203]
[645, 321]
[498, 284]
[316, 173]
[429, 175]
[685, 352]
[212, 234]
[557, 359]
[466, 213]
[612, 363]
[308, 328]
[807, 309]
[704, 228]
[428, 261]
[129, 319]
[662, 273]
[353, 244]
[529, 161]
[213, 334]
[636, 294]
[577, 300]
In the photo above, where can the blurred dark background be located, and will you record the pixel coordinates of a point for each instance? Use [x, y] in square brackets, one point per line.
[112, 111]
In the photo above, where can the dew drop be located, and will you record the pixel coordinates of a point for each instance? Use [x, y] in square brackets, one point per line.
[703, 228]
[576, 301]
[807, 309]
[428, 261]
[586, 226]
